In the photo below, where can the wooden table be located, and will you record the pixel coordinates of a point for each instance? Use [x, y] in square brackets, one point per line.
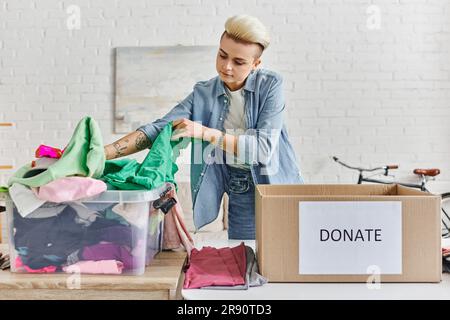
[162, 280]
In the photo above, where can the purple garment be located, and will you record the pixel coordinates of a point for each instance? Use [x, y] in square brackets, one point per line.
[108, 251]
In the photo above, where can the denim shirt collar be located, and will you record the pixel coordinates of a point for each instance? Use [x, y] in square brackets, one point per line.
[249, 84]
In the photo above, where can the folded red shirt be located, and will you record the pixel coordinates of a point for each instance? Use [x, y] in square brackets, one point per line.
[216, 267]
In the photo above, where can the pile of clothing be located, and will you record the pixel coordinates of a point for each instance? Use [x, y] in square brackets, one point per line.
[55, 231]
[95, 238]
[225, 268]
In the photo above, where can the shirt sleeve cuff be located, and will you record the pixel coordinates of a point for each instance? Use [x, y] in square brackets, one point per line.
[149, 130]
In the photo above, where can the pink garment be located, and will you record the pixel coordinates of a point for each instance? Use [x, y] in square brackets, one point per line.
[69, 189]
[96, 267]
[48, 269]
[176, 234]
[216, 267]
[48, 152]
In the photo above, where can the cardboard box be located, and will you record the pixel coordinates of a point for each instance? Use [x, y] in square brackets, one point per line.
[348, 233]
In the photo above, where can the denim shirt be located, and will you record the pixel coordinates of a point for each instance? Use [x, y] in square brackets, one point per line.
[265, 145]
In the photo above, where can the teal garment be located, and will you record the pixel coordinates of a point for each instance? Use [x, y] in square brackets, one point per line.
[157, 168]
[83, 156]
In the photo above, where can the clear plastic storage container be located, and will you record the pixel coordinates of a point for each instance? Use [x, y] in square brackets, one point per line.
[115, 232]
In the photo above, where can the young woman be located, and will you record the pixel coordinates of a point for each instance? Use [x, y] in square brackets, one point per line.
[238, 119]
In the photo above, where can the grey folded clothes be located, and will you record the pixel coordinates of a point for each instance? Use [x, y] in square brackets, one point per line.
[252, 276]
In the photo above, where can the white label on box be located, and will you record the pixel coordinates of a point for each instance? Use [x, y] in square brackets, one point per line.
[350, 237]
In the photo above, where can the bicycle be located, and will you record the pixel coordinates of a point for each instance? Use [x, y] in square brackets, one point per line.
[425, 175]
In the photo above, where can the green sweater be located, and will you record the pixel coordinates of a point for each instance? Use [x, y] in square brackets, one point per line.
[157, 168]
[83, 156]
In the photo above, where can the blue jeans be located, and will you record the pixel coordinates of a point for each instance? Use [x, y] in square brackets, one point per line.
[241, 203]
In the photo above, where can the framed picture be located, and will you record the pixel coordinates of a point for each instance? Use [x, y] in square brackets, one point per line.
[150, 81]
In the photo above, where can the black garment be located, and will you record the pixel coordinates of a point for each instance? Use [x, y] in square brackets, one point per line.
[55, 236]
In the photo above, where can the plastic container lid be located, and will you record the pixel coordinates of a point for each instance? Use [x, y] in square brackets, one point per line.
[128, 195]
[118, 195]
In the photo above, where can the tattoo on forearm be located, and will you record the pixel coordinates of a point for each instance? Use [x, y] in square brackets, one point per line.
[120, 149]
[142, 141]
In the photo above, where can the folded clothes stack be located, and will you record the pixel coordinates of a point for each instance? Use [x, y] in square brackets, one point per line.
[223, 268]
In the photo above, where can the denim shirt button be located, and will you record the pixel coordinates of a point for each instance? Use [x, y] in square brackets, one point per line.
[202, 174]
[220, 118]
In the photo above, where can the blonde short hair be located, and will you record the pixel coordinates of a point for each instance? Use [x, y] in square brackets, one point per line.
[247, 29]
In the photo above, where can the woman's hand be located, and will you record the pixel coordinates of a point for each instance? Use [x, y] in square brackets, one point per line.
[185, 128]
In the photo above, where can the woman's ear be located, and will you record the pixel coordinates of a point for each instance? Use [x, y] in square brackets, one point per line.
[256, 64]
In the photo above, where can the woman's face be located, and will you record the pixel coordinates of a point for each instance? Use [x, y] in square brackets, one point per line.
[235, 60]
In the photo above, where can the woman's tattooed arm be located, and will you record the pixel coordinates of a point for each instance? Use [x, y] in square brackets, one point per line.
[142, 142]
[131, 143]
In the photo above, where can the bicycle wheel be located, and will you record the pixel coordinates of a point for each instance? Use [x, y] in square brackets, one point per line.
[445, 207]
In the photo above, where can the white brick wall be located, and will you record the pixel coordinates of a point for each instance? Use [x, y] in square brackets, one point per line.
[370, 96]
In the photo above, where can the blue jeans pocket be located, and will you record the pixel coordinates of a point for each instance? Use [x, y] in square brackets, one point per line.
[239, 184]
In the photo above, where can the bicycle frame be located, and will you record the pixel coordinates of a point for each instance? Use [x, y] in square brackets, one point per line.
[385, 169]
[420, 186]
